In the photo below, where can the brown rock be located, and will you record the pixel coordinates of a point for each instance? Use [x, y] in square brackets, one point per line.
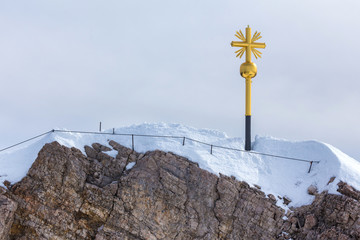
[100, 148]
[286, 200]
[90, 152]
[348, 190]
[272, 198]
[7, 184]
[66, 195]
[312, 190]
[331, 180]
[310, 221]
[123, 152]
[7, 211]
[257, 186]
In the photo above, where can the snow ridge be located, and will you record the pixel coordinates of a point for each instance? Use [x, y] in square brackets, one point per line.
[279, 177]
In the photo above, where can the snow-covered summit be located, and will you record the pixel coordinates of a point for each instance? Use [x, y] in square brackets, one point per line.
[280, 177]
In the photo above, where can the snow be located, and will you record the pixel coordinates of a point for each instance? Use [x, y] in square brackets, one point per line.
[130, 165]
[280, 177]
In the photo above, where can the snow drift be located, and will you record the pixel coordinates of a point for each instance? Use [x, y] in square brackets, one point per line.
[280, 177]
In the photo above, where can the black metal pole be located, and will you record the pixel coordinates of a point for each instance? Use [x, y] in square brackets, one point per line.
[248, 133]
[310, 166]
[132, 142]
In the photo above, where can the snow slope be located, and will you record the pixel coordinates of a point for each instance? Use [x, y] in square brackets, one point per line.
[280, 177]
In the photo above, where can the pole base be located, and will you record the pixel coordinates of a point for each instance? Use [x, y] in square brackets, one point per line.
[248, 133]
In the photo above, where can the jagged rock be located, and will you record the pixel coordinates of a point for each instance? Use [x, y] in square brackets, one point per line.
[132, 158]
[90, 152]
[50, 195]
[272, 198]
[226, 204]
[329, 217]
[104, 158]
[100, 148]
[64, 196]
[312, 190]
[333, 234]
[331, 180]
[7, 211]
[348, 190]
[7, 184]
[286, 200]
[123, 152]
[257, 186]
[310, 221]
[67, 195]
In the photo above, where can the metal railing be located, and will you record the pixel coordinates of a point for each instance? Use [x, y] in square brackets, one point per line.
[184, 139]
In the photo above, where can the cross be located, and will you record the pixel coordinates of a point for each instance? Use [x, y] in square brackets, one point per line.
[248, 71]
[248, 44]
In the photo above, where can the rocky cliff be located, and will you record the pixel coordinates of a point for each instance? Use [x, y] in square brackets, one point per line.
[67, 195]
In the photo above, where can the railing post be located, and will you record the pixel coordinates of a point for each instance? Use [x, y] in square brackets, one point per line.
[100, 127]
[310, 166]
[113, 130]
[211, 149]
[183, 141]
[132, 141]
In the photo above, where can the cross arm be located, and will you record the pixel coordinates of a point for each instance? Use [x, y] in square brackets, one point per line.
[258, 45]
[244, 44]
[239, 44]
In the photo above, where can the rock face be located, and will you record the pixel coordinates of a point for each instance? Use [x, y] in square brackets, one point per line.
[7, 211]
[328, 217]
[67, 195]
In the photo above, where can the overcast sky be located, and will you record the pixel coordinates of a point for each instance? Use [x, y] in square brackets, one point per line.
[71, 64]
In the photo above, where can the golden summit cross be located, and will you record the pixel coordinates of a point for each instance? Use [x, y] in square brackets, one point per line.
[248, 70]
[248, 44]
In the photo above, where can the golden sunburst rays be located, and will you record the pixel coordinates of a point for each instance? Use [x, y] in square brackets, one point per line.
[256, 53]
[240, 52]
[255, 37]
[240, 36]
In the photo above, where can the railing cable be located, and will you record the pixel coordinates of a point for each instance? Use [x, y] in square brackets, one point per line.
[165, 136]
[27, 140]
